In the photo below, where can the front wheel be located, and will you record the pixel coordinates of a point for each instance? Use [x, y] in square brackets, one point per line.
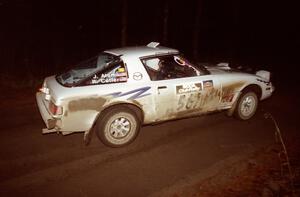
[246, 106]
[118, 127]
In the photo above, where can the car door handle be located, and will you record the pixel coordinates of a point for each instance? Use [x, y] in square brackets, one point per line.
[161, 87]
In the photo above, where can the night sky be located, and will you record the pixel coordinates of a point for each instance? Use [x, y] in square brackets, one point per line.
[40, 38]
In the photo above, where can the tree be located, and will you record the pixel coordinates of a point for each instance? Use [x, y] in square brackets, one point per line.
[124, 22]
[165, 22]
[197, 28]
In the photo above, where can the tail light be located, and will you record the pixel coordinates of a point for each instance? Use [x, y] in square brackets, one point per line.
[44, 88]
[54, 109]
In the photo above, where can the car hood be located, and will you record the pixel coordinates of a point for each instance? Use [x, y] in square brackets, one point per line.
[231, 72]
[222, 70]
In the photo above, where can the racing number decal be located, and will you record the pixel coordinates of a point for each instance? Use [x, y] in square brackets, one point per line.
[189, 96]
[181, 102]
[191, 101]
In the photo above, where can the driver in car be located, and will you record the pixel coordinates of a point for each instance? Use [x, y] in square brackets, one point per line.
[157, 69]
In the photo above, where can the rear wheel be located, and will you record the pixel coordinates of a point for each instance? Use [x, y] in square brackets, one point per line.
[246, 106]
[118, 126]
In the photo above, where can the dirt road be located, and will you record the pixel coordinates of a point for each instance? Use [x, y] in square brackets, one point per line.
[163, 155]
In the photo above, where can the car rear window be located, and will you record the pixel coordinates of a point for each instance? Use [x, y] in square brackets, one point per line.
[88, 69]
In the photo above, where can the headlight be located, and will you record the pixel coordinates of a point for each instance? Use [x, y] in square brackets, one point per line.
[264, 74]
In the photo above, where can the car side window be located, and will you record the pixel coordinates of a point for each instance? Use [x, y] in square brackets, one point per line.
[114, 74]
[169, 67]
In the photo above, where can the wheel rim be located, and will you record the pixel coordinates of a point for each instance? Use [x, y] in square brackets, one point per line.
[248, 106]
[119, 128]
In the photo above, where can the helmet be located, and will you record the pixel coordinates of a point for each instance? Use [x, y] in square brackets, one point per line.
[153, 64]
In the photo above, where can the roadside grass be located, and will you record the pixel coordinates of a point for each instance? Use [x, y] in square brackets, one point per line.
[271, 171]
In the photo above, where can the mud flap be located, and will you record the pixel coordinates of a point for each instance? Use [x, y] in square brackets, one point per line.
[232, 109]
[46, 131]
[87, 137]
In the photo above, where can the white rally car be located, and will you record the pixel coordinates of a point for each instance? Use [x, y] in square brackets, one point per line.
[121, 89]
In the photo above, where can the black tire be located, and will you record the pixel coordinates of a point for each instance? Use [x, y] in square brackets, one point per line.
[246, 106]
[118, 126]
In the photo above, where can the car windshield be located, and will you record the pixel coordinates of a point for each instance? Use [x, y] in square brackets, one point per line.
[85, 69]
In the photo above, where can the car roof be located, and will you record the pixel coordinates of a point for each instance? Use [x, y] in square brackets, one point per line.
[142, 51]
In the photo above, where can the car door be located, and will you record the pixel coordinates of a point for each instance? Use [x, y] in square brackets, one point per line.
[178, 98]
[180, 90]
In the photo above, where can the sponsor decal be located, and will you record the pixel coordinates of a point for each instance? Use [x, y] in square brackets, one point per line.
[187, 88]
[182, 62]
[137, 93]
[121, 70]
[179, 61]
[137, 76]
[208, 84]
[110, 78]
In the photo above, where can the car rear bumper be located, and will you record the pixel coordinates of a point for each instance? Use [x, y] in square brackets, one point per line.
[48, 119]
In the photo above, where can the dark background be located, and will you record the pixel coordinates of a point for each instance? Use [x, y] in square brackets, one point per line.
[39, 38]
